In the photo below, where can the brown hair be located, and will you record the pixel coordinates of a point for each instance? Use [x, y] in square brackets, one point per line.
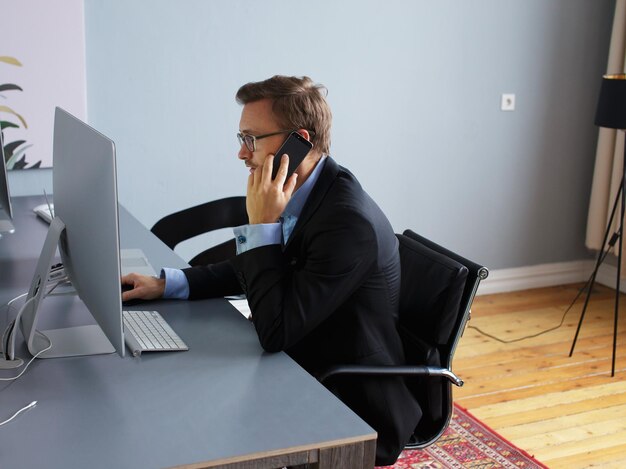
[298, 103]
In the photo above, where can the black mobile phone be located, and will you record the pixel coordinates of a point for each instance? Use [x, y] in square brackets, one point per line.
[297, 147]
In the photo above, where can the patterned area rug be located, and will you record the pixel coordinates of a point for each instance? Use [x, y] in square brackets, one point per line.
[467, 443]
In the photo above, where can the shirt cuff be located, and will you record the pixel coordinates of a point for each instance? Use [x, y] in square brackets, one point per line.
[253, 236]
[176, 284]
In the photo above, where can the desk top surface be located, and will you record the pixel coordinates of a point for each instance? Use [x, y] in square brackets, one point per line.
[223, 398]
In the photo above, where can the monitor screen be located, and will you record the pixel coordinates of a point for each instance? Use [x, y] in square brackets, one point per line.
[86, 230]
[5, 197]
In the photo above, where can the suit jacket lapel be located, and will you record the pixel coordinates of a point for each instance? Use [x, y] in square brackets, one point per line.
[326, 179]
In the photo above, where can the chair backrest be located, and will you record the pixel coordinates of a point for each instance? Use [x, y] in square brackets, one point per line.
[476, 273]
[437, 289]
[185, 224]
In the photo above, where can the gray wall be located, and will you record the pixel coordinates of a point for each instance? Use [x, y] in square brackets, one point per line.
[415, 90]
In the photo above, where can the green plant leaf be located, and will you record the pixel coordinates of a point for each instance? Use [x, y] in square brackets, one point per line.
[20, 164]
[10, 60]
[9, 148]
[11, 111]
[15, 158]
[10, 86]
[8, 125]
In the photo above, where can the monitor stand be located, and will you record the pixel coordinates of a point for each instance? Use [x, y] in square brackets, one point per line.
[67, 342]
[5, 225]
[70, 342]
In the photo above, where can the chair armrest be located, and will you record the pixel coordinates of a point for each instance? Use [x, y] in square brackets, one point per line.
[391, 371]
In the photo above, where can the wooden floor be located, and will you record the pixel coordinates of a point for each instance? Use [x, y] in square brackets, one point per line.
[567, 412]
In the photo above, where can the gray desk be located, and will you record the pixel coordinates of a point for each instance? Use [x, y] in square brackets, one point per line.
[223, 403]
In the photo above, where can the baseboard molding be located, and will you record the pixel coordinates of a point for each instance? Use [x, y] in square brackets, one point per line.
[547, 275]
[535, 276]
[607, 275]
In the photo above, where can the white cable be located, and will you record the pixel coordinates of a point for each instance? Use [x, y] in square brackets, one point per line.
[5, 337]
[10, 302]
[31, 360]
[10, 329]
[29, 406]
[15, 299]
[50, 209]
[64, 281]
[8, 306]
[34, 403]
[6, 331]
[12, 325]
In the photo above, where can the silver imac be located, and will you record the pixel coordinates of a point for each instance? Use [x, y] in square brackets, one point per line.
[85, 229]
[6, 214]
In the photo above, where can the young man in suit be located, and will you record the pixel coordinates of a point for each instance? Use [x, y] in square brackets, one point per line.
[318, 261]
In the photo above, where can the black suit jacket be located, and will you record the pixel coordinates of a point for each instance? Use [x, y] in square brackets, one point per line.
[328, 297]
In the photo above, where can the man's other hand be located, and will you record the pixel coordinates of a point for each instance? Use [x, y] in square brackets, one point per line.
[142, 287]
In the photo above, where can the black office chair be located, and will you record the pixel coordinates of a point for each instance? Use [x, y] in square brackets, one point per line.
[193, 221]
[436, 293]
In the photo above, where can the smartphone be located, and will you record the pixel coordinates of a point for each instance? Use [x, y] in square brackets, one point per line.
[297, 147]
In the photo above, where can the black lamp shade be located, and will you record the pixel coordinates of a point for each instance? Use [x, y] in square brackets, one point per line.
[611, 111]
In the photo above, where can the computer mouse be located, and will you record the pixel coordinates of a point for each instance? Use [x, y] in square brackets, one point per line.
[127, 287]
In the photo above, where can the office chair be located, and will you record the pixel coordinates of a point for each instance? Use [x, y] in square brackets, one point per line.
[436, 293]
[193, 221]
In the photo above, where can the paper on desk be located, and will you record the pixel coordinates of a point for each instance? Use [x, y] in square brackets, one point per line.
[242, 306]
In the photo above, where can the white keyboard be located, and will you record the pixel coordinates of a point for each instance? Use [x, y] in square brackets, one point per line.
[147, 331]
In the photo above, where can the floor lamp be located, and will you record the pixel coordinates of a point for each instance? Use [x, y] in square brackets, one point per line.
[611, 113]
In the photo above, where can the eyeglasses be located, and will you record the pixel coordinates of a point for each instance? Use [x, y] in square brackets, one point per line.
[250, 140]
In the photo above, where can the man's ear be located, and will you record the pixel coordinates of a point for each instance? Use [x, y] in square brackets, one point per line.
[305, 133]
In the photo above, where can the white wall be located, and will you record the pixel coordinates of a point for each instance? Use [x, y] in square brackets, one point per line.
[415, 91]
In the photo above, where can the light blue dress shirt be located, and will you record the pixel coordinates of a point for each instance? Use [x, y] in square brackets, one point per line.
[253, 236]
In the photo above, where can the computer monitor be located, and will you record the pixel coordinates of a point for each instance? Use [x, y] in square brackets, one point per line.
[86, 230]
[6, 214]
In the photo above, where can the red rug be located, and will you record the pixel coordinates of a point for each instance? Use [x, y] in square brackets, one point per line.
[467, 443]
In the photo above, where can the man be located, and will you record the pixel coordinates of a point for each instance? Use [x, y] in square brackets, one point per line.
[318, 262]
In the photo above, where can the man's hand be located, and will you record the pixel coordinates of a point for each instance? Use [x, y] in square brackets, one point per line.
[143, 287]
[266, 199]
